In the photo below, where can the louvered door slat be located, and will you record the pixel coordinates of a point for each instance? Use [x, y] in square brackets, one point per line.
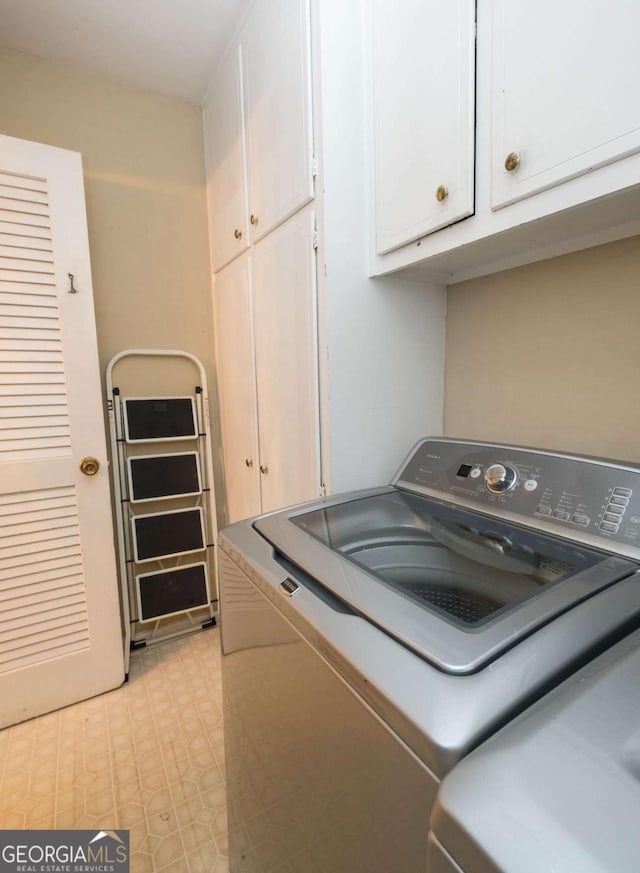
[51, 613]
[17, 297]
[24, 206]
[60, 553]
[31, 391]
[19, 596]
[25, 524]
[25, 253]
[39, 541]
[21, 606]
[29, 265]
[56, 539]
[29, 345]
[45, 289]
[20, 355]
[22, 277]
[12, 234]
[25, 415]
[44, 377]
[23, 182]
[40, 571]
[27, 422]
[38, 627]
[29, 366]
[20, 192]
[27, 501]
[30, 405]
[24, 219]
[17, 307]
[38, 648]
[19, 512]
[28, 323]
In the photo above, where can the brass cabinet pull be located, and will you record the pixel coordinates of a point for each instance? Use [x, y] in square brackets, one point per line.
[89, 466]
[248, 462]
[263, 469]
[253, 219]
[237, 233]
[442, 192]
[512, 161]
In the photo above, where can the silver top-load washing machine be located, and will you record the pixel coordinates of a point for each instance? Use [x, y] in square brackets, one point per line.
[559, 789]
[373, 639]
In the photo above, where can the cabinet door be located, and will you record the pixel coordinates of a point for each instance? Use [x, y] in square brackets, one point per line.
[225, 163]
[564, 91]
[236, 388]
[278, 111]
[423, 77]
[283, 281]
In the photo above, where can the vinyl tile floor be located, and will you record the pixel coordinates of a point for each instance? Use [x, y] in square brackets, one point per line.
[148, 756]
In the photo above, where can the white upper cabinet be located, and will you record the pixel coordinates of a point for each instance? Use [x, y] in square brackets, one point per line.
[258, 129]
[277, 76]
[423, 82]
[225, 163]
[564, 91]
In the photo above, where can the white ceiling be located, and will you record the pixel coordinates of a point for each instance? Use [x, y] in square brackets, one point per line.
[169, 46]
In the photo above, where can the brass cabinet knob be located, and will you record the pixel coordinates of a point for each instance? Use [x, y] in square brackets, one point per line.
[512, 161]
[253, 219]
[248, 462]
[237, 233]
[442, 192]
[89, 466]
[264, 470]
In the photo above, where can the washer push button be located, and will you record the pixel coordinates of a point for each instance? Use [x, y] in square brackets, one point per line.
[614, 519]
[607, 527]
[622, 492]
[618, 500]
[616, 510]
[583, 520]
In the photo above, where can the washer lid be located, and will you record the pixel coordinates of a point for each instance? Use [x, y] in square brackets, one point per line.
[455, 586]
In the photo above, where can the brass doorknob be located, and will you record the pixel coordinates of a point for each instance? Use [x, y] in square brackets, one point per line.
[264, 470]
[442, 192]
[512, 161]
[248, 462]
[89, 466]
[237, 233]
[253, 219]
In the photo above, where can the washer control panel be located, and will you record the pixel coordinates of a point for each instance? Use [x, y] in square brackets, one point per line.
[567, 492]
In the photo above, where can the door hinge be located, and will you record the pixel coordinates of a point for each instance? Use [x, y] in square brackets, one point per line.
[314, 166]
[314, 238]
[323, 491]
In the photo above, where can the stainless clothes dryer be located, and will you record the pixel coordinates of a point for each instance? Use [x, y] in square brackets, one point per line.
[371, 640]
[556, 790]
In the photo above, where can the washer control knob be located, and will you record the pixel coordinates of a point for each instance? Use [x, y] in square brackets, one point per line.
[499, 478]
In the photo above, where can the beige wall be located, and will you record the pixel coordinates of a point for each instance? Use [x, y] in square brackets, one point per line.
[145, 191]
[549, 354]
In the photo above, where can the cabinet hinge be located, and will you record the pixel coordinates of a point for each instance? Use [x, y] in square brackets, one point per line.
[314, 238]
[314, 166]
[323, 491]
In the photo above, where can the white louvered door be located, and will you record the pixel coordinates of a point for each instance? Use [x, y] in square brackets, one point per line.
[60, 628]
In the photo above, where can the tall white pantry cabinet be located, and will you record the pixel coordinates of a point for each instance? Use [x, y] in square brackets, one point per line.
[325, 377]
